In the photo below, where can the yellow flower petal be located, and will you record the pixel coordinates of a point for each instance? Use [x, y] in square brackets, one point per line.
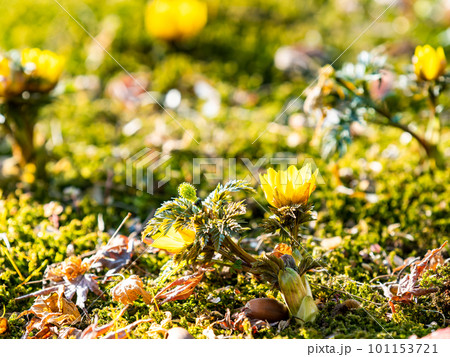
[271, 175]
[175, 19]
[441, 59]
[292, 173]
[43, 68]
[174, 241]
[288, 187]
[171, 244]
[429, 63]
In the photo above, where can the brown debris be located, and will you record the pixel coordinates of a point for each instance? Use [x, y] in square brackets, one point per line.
[408, 287]
[128, 290]
[114, 256]
[50, 313]
[181, 288]
[69, 269]
[3, 325]
[95, 331]
[238, 320]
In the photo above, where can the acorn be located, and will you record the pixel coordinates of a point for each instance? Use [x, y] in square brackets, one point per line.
[179, 333]
[266, 309]
[367, 267]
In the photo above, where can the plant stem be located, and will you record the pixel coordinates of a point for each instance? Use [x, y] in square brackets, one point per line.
[433, 132]
[431, 147]
[239, 251]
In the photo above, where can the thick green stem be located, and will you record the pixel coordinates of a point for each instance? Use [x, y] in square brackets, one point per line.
[240, 252]
[20, 124]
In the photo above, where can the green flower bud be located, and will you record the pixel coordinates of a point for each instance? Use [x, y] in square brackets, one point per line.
[298, 257]
[187, 191]
[292, 288]
[297, 295]
[308, 310]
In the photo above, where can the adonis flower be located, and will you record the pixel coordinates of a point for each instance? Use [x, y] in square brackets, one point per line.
[174, 240]
[42, 68]
[175, 19]
[290, 187]
[429, 63]
[11, 82]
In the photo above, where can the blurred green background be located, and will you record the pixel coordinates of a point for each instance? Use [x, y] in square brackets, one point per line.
[228, 83]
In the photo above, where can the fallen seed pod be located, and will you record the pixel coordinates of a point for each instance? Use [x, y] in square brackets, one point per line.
[266, 309]
[367, 267]
[352, 304]
[179, 333]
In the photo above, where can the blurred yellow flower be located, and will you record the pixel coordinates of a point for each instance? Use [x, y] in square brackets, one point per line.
[174, 241]
[175, 19]
[429, 63]
[42, 67]
[4, 75]
[285, 188]
[11, 82]
[29, 173]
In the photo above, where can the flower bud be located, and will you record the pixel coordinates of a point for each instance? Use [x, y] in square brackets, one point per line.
[187, 191]
[297, 295]
[308, 310]
[292, 289]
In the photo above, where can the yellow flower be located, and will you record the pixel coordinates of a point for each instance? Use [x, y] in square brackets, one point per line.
[174, 241]
[11, 82]
[175, 19]
[429, 63]
[4, 76]
[43, 68]
[284, 188]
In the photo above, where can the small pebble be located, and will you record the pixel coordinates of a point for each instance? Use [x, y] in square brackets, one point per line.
[179, 333]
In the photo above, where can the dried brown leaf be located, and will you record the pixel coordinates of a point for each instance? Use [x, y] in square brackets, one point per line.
[409, 287]
[69, 269]
[181, 288]
[93, 330]
[69, 332]
[237, 321]
[49, 312]
[81, 286]
[114, 256]
[128, 290]
[3, 325]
